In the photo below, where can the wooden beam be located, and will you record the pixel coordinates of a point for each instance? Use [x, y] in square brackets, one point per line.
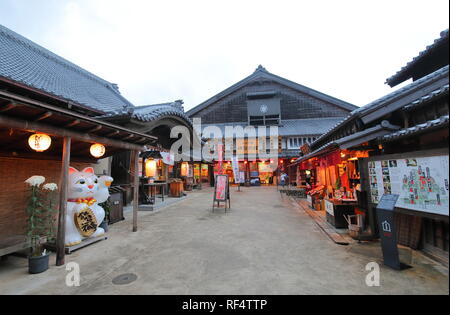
[66, 112]
[43, 116]
[60, 239]
[8, 107]
[57, 131]
[140, 140]
[114, 133]
[96, 128]
[73, 123]
[135, 189]
[127, 137]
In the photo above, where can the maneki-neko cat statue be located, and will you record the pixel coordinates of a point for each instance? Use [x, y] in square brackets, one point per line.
[84, 215]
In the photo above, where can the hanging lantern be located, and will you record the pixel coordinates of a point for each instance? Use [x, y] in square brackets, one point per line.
[39, 142]
[150, 168]
[184, 169]
[97, 150]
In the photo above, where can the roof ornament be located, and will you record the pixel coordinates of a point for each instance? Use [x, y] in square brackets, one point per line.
[260, 68]
[178, 104]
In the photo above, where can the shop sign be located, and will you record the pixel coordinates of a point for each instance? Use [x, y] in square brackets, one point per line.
[305, 149]
[235, 166]
[242, 177]
[221, 188]
[329, 207]
[309, 200]
[168, 158]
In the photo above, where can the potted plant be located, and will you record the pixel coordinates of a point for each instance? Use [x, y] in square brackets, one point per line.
[41, 222]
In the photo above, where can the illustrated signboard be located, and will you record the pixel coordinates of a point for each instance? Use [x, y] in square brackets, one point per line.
[221, 191]
[421, 183]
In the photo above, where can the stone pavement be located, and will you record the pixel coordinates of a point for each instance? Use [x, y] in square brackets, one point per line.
[264, 245]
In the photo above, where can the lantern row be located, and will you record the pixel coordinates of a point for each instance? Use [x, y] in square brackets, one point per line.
[40, 142]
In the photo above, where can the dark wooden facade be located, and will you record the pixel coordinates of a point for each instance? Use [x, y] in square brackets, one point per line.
[294, 104]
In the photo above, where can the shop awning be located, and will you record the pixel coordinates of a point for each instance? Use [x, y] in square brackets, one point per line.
[30, 115]
[353, 140]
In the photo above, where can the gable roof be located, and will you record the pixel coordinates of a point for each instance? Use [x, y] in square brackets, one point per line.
[262, 73]
[436, 54]
[27, 63]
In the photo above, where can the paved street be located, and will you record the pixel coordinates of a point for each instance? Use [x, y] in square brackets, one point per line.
[264, 245]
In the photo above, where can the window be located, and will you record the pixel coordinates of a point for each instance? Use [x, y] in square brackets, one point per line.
[264, 120]
[294, 143]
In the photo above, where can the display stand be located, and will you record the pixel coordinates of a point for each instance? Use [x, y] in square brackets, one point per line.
[221, 192]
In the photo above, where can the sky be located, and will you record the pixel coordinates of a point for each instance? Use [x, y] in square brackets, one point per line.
[161, 51]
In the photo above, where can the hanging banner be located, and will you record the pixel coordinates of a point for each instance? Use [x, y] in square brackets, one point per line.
[220, 157]
[168, 158]
[235, 167]
[242, 177]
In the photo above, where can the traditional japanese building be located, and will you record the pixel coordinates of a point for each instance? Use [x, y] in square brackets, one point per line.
[45, 94]
[264, 99]
[397, 144]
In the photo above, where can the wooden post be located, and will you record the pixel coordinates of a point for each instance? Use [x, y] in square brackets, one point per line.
[135, 190]
[60, 239]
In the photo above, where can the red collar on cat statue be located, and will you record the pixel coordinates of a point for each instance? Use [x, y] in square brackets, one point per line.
[89, 201]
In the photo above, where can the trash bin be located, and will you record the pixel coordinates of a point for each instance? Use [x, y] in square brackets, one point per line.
[116, 203]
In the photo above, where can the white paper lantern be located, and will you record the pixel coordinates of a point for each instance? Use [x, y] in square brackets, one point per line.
[150, 168]
[97, 150]
[39, 142]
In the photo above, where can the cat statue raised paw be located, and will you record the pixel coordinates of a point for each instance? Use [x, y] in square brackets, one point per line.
[84, 215]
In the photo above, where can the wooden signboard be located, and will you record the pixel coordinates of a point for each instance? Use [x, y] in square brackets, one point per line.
[221, 191]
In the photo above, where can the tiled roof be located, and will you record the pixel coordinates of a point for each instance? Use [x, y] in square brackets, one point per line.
[381, 102]
[354, 139]
[147, 113]
[152, 112]
[412, 87]
[313, 126]
[292, 127]
[429, 125]
[393, 80]
[25, 62]
[262, 73]
[428, 98]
